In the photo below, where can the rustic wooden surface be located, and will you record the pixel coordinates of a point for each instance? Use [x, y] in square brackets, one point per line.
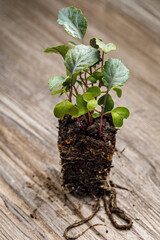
[32, 205]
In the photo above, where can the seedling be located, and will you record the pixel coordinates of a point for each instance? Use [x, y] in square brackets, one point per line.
[87, 117]
[89, 80]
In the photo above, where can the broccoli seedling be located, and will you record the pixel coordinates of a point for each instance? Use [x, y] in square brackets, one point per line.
[87, 73]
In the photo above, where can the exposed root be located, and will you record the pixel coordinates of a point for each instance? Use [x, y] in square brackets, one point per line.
[118, 186]
[111, 208]
[85, 220]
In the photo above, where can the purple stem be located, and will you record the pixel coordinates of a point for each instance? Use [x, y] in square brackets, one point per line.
[100, 130]
[81, 124]
[104, 103]
[91, 121]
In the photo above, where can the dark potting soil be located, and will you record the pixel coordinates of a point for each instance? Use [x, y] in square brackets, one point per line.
[86, 159]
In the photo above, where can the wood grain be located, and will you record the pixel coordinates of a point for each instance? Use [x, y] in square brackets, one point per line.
[32, 203]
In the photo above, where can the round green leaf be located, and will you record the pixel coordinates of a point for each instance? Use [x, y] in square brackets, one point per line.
[95, 91]
[62, 49]
[95, 77]
[118, 91]
[95, 115]
[118, 114]
[115, 73]
[80, 58]
[117, 121]
[106, 48]
[64, 108]
[59, 110]
[81, 105]
[55, 82]
[88, 96]
[109, 103]
[92, 104]
[73, 21]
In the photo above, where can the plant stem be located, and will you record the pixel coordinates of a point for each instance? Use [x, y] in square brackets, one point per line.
[91, 120]
[82, 80]
[85, 119]
[102, 59]
[70, 95]
[98, 69]
[86, 80]
[81, 124]
[90, 70]
[102, 112]
[75, 89]
[102, 63]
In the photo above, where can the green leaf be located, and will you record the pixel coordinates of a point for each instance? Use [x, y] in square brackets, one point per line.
[72, 43]
[88, 96]
[81, 105]
[109, 103]
[92, 42]
[115, 73]
[118, 91]
[68, 80]
[58, 91]
[64, 108]
[92, 104]
[79, 82]
[118, 114]
[73, 21]
[95, 91]
[80, 58]
[62, 49]
[95, 77]
[55, 82]
[106, 48]
[95, 115]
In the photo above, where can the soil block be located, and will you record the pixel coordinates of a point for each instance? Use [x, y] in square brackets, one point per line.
[86, 161]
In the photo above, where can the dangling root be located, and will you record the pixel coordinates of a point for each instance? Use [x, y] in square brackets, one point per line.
[118, 186]
[85, 220]
[111, 207]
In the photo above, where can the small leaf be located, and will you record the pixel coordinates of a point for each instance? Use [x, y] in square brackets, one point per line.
[79, 82]
[62, 49]
[58, 91]
[115, 73]
[80, 58]
[55, 82]
[95, 91]
[93, 43]
[68, 80]
[72, 43]
[118, 114]
[92, 104]
[95, 77]
[63, 108]
[73, 21]
[118, 91]
[81, 105]
[109, 103]
[88, 96]
[95, 115]
[106, 48]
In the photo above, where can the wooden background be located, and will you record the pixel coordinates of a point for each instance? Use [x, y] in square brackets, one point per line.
[32, 205]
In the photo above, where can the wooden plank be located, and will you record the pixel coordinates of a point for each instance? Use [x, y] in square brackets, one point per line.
[145, 12]
[32, 204]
